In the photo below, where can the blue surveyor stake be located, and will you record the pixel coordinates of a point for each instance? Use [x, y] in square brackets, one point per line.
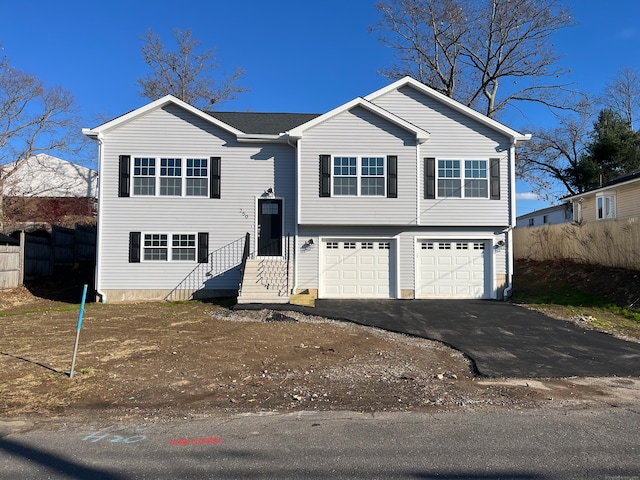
[75, 348]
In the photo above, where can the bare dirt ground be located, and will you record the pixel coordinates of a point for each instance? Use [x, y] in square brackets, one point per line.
[160, 361]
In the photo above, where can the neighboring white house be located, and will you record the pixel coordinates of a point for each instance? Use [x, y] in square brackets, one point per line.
[554, 215]
[404, 193]
[44, 190]
[43, 175]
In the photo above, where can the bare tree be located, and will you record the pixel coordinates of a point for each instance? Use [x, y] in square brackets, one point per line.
[553, 157]
[486, 54]
[622, 94]
[34, 119]
[185, 73]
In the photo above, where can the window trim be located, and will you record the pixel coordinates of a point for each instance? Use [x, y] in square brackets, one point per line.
[463, 167]
[208, 179]
[137, 247]
[602, 209]
[359, 176]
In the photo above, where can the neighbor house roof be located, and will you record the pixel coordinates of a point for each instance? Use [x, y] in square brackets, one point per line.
[616, 182]
[544, 211]
[44, 175]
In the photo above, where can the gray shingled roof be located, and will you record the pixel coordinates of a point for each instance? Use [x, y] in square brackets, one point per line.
[263, 123]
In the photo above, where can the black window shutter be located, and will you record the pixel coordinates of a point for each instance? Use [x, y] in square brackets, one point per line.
[392, 176]
[495, 178]
[214, 178]
[203, 247]
[124, 173]
[429, 178]
[325, 175]
[134, 247]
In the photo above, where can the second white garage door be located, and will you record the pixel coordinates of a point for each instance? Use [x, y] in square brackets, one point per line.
[355, 269]
[452, 269]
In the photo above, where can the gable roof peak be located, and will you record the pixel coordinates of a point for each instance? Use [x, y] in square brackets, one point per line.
[469, 112]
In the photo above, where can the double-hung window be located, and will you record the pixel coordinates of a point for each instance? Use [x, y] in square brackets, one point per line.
[144, 176]
[463, 179]
[171, 177]
[359, 176]
[606, 206]
[197, 177]
[156, 247]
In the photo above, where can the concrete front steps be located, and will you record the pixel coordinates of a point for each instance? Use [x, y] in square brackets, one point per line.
[264, 281]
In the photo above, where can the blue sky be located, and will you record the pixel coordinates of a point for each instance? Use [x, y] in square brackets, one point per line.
[299, 55]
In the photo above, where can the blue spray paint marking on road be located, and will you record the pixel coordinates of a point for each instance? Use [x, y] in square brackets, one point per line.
[107, 435]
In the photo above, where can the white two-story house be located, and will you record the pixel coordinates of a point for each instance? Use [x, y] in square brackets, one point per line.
[401, 194]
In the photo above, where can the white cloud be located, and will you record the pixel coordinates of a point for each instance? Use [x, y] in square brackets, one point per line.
[527, 196]
[627, 33]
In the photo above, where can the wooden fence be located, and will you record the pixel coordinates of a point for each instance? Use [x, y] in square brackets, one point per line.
[39, 256]
[11, 271]
[611, 243]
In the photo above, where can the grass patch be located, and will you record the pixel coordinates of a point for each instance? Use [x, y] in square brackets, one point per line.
[575, 291]
[559, 294]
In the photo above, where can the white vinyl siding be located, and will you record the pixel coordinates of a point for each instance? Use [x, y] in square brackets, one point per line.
[453, 136]
[246, 172]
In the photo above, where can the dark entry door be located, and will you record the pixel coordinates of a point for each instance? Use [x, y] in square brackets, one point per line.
[269, 227]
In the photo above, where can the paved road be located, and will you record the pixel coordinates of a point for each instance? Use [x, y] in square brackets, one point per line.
[502, 339]
[521, 445]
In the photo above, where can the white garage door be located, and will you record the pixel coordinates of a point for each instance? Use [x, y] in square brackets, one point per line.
[355, 269]
[452, 269]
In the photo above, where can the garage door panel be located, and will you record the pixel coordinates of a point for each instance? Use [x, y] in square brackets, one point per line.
[355, 269]
[452, 269]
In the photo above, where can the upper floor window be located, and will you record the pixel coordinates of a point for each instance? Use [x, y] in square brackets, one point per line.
[171, 177]
[354, 176]
[144, 176]
[463, 179]
[606, 207]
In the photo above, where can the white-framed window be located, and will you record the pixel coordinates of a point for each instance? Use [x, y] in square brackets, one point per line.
[197, 177]
[462, 178]
[156, 247]
[144, 176]
[359, 176]
[171, 177]
[531, 222]
[605, 206]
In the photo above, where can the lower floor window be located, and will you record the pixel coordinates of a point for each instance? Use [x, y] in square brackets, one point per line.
[156, 247]
[183, 247]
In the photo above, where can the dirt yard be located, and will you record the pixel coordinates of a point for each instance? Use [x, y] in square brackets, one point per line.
[159, 361]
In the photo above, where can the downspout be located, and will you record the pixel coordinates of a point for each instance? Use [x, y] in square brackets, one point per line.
[294, 288]
[102, 297]
[512, 221]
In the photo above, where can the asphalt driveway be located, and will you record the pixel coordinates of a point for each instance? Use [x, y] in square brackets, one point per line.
[503, 340]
